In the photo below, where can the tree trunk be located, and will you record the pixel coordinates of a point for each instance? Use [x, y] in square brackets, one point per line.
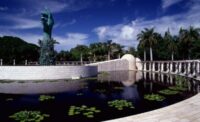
[151, 54]
[144, 55]
[172, 56]
[189, 54]
[108, 55]
[81, 58]
[94, 58]
[119, 56]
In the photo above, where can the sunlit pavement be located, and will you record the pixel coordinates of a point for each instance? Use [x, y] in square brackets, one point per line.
[184, 111]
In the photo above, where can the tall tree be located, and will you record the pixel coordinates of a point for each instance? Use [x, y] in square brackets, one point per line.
[109, 47]
[195, 50]
[116, 50]
[172, 47]
[80, 51]
[63, 56]
[94, 50]
[171, 43]
[148, 37]
[131, 50]
[18, 49]
[188, 36]
[142, 44]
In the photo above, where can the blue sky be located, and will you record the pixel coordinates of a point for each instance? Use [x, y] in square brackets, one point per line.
[89, 21]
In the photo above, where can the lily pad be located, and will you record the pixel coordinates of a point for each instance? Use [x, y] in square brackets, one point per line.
[120, 104]
[168, 92]
[100, 90]
[154, 97]
[178, 88]
[83, 110]
[9, 99]
[28, 116]
[118, 88]
[46, 97]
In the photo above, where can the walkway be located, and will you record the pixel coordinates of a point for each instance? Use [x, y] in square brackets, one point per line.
[184, 111]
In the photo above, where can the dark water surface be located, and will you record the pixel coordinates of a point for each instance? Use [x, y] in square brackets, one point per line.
[130, 86]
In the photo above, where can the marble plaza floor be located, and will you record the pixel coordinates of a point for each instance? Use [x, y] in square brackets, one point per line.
[184, 111]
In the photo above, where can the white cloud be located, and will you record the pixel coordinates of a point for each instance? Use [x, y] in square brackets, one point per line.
[72, 22]
[118, 33]
[167, 3]
[121, 33]
[126, 34]
[54, 6]
[71, 40]
[21, 23]
[66, 42]
[34, 7]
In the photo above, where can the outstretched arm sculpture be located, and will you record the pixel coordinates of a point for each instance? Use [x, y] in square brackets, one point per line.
[47, 53]
[47, 22]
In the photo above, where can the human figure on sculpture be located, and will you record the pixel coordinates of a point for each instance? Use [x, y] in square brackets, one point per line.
[47, 53]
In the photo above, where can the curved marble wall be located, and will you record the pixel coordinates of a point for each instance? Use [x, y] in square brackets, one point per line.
[127, 62]
[46, 72]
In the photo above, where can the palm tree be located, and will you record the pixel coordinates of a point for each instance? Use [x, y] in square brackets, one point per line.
[171, 43]
[148, 37]
[142, 44]
[172, 47]
[189, 36]
[98, 51]
[93, 51]
[80, 52]
[116, 50]
[108, 45]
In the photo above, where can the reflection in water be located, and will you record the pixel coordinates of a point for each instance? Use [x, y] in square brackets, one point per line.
[130, 93]
[128, 78]
[169, 80]
[41, 87]
[126, 85]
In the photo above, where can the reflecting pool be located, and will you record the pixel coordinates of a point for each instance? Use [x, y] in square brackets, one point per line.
[108, 96]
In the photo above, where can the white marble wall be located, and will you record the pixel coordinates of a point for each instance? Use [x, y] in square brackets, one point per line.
[112, 65]
[127, 62]
[138, 64]
[45, 72]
